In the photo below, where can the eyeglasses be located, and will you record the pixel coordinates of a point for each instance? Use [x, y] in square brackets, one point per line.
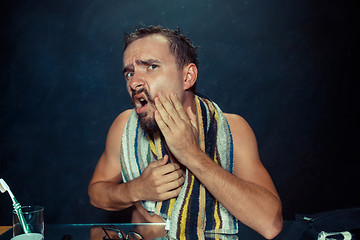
[115, 233]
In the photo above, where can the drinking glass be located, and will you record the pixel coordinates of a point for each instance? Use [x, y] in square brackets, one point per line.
[34, 216]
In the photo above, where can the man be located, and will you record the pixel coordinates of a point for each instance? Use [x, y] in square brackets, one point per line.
[186, 156]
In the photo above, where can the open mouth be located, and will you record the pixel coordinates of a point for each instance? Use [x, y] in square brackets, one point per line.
[140, 102]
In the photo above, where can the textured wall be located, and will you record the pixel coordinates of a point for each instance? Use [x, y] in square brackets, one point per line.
[288, 67]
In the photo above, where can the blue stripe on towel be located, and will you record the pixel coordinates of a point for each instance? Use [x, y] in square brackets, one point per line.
[136, 146]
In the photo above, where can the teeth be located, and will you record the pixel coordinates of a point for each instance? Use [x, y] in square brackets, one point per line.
[142, 101]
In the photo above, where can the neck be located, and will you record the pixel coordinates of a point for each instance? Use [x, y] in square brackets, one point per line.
[188, 101]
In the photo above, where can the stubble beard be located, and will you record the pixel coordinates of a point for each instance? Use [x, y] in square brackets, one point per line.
[147, 118]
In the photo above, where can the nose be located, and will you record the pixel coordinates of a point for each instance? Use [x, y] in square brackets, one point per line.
[137, 81]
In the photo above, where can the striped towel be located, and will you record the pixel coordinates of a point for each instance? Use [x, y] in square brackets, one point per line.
[195, 211]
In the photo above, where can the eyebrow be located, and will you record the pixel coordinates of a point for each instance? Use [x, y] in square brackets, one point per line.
[146, 62]
[127, 69]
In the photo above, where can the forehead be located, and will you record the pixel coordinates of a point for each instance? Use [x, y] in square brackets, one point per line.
[151, 47]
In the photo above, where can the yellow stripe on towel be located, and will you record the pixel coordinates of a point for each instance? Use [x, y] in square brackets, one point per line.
[185, 211]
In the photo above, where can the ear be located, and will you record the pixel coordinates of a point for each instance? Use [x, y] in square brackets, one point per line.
[190, 75]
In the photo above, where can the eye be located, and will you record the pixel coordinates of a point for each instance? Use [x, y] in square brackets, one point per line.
[128, 75]
[153, 66]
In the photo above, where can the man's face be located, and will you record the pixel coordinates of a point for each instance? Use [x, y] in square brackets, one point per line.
[150, 67]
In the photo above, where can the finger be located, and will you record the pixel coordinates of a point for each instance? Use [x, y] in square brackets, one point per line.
[169, 168]
[192, 117]
[165, 159]
[170, 111]
[171, 185]
[172, 176]
[163, 113]
[159, 162]
[170, 194]
[179, 107]
[167, 182]
[164, 128]
[162, 167]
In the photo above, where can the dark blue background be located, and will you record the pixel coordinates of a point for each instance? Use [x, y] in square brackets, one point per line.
[287, 67]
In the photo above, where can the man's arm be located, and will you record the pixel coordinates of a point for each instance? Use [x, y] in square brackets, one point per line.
[159, 181]
[105, 188]
[249, 193]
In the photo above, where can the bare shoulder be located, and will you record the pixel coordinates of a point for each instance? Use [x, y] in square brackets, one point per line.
[245, 145]
[247, 164]
[121, 119]
[113, 140]
[108, 167]
[117, 127]
[238, 125]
